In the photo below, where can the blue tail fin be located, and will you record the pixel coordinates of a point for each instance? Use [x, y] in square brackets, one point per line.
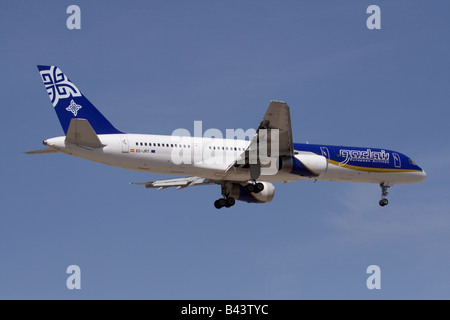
[70, 103]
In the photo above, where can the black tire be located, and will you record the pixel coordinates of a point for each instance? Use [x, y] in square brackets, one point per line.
[384, 202]
[259, 187]
[249, 188]
[217, 205]
[230, 202]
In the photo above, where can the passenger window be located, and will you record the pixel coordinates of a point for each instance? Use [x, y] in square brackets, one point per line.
[145, 144]
[159, 145]
[137, 143]
[141, 143]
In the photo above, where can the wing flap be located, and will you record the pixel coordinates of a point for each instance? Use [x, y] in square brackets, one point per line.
[179, 183]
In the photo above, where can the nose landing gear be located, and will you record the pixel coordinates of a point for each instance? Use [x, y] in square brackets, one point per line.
[384, 186]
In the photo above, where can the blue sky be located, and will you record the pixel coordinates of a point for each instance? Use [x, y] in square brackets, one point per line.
[156, 66]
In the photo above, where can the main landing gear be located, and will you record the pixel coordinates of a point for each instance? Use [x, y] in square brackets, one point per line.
[254, 187]
[383, 202]
[228, 201]
[224, 202]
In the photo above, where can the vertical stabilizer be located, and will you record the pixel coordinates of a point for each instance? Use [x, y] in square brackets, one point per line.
[70, 103]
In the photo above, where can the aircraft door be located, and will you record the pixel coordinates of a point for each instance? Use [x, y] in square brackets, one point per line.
[397, 161]
[124, 143]
[196, 151]
[325, 152]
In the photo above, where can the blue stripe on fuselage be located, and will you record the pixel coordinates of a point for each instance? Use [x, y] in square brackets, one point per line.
[373, 158]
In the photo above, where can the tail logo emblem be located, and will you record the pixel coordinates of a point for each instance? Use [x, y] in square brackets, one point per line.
[73, 107]
[58, 85]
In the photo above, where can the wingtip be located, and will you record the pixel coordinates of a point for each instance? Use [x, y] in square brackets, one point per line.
[279, 101]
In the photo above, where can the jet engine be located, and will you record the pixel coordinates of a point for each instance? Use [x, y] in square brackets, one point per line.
[304, 164]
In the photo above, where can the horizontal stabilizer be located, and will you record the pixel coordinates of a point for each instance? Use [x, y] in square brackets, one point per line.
[81, 133]
[43, 151]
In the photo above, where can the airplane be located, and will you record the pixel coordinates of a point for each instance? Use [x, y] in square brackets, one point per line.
[244, 168]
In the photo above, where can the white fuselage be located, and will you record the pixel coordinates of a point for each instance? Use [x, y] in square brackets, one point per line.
[204, 157]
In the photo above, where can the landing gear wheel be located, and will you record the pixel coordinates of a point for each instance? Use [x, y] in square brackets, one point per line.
[384, 202]
[229, 202]
[249, 188]
[259, 187]
[219, 203]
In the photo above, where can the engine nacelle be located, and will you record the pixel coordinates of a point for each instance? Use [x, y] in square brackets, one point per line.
[238, 193]
[304, 164]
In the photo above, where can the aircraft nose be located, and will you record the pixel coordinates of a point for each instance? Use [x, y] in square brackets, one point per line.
[423, 175]
[420, 176]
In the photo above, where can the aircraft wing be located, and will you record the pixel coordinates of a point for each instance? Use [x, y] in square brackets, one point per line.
[277, 117]
[179, 183]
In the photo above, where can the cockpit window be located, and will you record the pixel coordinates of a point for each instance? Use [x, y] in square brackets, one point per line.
[412, 162]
